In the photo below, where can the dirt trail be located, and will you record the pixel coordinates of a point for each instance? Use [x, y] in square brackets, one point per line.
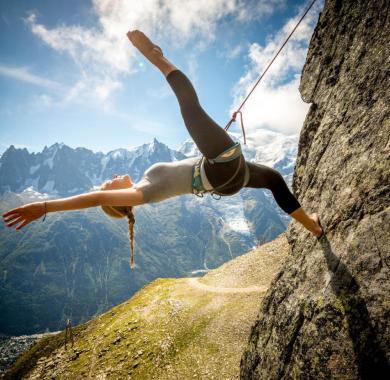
[194, 281]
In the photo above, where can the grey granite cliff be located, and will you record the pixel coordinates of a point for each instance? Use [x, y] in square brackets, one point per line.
[327, 313]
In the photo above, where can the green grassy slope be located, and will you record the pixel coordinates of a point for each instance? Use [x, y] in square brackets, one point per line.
[170, 329]
[76, 264]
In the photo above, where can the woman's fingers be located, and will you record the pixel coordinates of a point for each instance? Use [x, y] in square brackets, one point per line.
[10, 212]
[23, 224]
[14, 215]
[11, 218]
[20, 215]
[18, 220]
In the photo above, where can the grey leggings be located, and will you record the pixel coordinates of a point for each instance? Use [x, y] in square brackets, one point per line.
[212, 140]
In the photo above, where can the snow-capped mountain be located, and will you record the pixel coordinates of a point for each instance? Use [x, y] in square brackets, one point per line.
[189, 149]
[62, 170]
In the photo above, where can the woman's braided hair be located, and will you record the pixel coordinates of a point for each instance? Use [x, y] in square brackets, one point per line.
[121, 212]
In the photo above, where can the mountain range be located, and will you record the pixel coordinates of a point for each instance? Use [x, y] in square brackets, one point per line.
[75, 264]
[62, 170]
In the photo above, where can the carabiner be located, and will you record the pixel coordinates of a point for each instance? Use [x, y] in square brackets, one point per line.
[212, 195]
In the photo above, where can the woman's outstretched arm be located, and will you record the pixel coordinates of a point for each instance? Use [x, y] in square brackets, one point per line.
[25, 214]
[262, 176]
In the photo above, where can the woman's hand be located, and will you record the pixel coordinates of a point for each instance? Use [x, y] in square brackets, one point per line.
[24, 214]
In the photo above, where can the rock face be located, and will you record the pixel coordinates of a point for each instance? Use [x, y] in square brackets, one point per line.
[327, 313]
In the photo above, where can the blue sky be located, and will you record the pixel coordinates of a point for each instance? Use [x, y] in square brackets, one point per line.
[68, 73]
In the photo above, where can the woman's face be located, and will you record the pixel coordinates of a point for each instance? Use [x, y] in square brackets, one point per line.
[118, 182]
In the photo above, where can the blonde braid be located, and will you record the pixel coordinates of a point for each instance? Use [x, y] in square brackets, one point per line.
[131, 221]
[121, 212]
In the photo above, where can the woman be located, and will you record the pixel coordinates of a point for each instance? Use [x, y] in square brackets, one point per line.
[222, 170]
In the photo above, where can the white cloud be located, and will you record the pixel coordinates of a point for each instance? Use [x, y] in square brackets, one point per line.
[160, 92]
[276, 102]
[249, 10]
[103, 52]
[231, 52]
[42, 100]
[4, 18]
[145, 126]
[235, 52]
[278, 108]
[192, 68]
[23, 74]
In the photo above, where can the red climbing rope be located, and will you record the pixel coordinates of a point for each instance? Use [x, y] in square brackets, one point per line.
[262, 75]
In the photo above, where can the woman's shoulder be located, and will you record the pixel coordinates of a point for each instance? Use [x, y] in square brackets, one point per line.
[188, 160]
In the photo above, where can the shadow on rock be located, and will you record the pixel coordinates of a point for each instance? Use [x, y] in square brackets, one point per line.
[370, 357]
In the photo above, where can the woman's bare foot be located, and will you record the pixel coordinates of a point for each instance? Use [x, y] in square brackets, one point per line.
[151, 51]
[317, 231]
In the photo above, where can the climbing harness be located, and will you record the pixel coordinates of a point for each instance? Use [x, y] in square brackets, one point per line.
[234, 116]
[200, 183]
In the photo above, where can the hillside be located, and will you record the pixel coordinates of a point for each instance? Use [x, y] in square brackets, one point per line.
[76, 264]
[170, 329]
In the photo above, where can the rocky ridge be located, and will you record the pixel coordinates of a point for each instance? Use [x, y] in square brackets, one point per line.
[328, 315]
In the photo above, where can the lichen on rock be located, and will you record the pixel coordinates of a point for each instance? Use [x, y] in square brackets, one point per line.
[328, 315]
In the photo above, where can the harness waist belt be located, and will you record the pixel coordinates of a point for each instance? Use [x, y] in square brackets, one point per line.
[205, 182]
[228, 155]
[200, 182]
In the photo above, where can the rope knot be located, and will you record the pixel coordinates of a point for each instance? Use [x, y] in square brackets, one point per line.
[234, 116]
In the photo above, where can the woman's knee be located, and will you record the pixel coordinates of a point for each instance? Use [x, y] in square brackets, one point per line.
[274, 179]
[192, 114]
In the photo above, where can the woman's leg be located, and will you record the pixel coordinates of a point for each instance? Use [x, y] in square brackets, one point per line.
[210, 138]
[262, 176]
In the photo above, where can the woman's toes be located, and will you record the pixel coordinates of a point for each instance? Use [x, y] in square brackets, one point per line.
[130, 35]
[318, 230]
[134, 36]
